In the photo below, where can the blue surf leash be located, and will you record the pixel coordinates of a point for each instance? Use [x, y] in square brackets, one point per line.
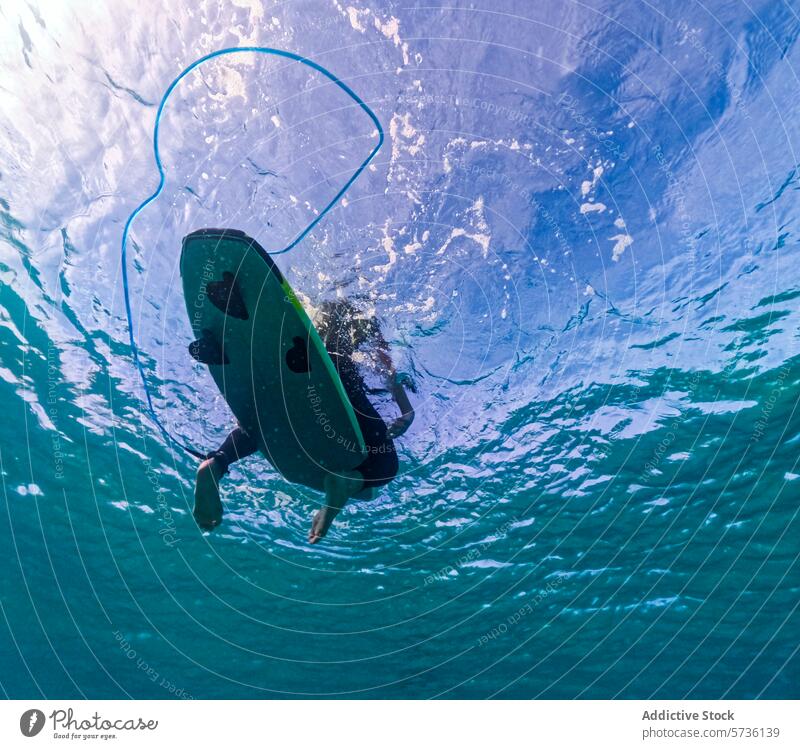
[162, 178]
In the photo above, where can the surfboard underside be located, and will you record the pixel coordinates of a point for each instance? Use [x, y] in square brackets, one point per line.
[266, 357]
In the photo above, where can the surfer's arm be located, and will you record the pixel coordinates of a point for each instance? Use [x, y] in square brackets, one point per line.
[401, 397]
[395, 384]
[400, 425]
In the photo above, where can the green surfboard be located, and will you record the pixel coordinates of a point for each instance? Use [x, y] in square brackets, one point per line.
[266, 357]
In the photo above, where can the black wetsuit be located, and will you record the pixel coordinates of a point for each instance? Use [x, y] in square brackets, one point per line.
[380, 465]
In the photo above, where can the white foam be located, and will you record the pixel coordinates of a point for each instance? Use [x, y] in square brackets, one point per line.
[391, 30]
[353, 14]
[622, 241]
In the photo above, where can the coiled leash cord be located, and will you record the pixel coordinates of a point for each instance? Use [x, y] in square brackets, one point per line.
[299, 238]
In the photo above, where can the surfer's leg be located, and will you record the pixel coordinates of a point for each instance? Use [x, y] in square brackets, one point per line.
[207, 505]
[381, 464]
[338, 489]
[237, 445]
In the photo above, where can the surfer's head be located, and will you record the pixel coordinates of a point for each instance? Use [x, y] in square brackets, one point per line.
[344, 327]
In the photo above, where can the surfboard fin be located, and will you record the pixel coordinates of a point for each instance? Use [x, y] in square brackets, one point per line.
[208, 350]
[297, 356]
[226, 297]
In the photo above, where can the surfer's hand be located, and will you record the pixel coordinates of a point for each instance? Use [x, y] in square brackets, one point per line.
[404, 380]
[400, 425]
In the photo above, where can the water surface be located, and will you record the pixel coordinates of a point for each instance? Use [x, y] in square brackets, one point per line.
[581, 237]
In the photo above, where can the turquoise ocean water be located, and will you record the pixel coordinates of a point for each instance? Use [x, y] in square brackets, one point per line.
[581, 238]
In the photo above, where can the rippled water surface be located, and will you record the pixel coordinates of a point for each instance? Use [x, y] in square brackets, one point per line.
[581, 238]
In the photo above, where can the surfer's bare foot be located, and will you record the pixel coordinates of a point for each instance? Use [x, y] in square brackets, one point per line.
[338, 487]
[207, 505]
[321, 523]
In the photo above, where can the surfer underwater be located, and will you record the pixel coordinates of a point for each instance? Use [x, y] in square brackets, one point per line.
[345, 333]
[380, 465]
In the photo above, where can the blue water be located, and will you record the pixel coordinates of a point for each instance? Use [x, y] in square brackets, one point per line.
[581, 238]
